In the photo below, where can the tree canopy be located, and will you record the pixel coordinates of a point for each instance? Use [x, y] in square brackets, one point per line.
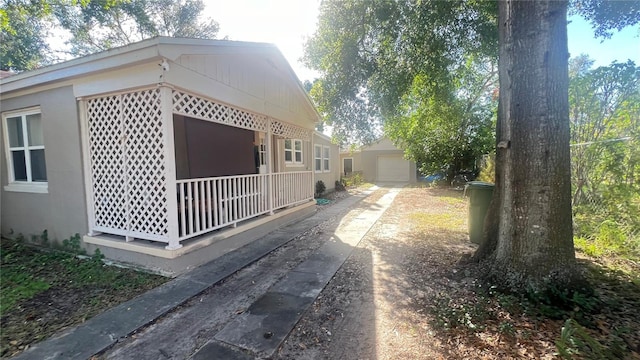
[93, 25]
[371, 53]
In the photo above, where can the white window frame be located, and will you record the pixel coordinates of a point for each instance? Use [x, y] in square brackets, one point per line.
[20, 185]
[292, 150]
[326, 158]
[318, 150]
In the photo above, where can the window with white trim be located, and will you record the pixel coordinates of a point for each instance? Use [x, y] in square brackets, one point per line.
[293, 151]
[325, 158]
[318, 157]
[322, 158]
[25, 148]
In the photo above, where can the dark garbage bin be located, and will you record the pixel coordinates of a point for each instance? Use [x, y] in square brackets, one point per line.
[479, 194]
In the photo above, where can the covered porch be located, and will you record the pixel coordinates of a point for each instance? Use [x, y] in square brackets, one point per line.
[167, 165]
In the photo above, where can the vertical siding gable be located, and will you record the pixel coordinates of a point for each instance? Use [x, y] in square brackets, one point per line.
[252, 75]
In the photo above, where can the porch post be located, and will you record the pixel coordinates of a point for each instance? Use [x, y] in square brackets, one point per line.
[166, 104]
[269, 155]
[86, 165]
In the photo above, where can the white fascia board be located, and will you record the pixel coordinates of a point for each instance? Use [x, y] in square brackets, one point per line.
[73, 69]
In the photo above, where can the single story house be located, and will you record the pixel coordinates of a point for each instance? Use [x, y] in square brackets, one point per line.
[379, 162]
[150, 150]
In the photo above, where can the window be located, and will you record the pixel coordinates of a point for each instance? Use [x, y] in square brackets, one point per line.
[25, 151]
[293, 151]
[321, 156]
[318, 157]
[325, 158]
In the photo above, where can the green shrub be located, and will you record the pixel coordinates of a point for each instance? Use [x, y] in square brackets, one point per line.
[320, 188]
[353, 179]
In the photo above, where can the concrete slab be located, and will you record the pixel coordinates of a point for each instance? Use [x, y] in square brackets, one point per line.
[267, 323]
[215, 350]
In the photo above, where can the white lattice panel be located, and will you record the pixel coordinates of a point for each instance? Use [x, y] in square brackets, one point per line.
[145, 151]
[197, 107]
[107, 162]
[289, 131]
[127, 150]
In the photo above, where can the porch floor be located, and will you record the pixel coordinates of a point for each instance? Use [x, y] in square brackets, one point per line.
[152, 255]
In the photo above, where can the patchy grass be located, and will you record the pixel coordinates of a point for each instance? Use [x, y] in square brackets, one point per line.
[45, 290]
[444, 221]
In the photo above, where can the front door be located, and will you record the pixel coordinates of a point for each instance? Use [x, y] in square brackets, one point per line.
[347, 166]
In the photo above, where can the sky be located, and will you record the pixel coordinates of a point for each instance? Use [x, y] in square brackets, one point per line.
[287, 23]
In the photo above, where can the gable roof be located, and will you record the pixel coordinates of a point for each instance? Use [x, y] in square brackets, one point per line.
[152, 49]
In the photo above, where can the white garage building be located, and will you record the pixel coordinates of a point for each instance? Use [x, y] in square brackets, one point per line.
[380, 162]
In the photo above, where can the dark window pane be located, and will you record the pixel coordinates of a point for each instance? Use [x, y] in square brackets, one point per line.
[19, 166]
[326, 164]
[38, 167]
[14, 127]
[287, 144]
[287, 156]
[318, 164]
[298, 156]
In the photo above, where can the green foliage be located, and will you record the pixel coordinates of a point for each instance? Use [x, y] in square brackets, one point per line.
[488, 169]
[353, 179]
[372, 52]
[320, 188]
[451, 131]
[27, 271]
[339, 186]
[73, 245]
[606, 15]
[605, 130]
[23, 44]
[94, 25]
[98, 26]
[575, 341]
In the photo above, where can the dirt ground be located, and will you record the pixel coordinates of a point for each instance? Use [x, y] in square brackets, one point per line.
[393, 298]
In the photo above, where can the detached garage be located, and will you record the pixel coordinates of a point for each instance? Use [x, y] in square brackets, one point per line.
[381, 161]
[393, 168]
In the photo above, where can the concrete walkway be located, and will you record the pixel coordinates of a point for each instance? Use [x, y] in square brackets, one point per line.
[256, 332]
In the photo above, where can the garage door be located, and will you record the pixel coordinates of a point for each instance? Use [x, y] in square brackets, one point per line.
[393, 168]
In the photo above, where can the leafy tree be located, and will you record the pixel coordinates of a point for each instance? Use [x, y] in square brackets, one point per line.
[22, 35]
[370, 53]
[605, 130]
[448, 133]
[97, 26]
[94, 25]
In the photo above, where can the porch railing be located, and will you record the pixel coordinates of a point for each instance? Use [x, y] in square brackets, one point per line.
[211, 203]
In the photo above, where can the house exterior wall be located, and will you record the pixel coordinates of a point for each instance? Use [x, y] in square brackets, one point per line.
[62, 210]
[328, 177]
[357, 161]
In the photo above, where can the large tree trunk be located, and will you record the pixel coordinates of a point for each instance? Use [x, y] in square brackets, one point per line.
[531, 243]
